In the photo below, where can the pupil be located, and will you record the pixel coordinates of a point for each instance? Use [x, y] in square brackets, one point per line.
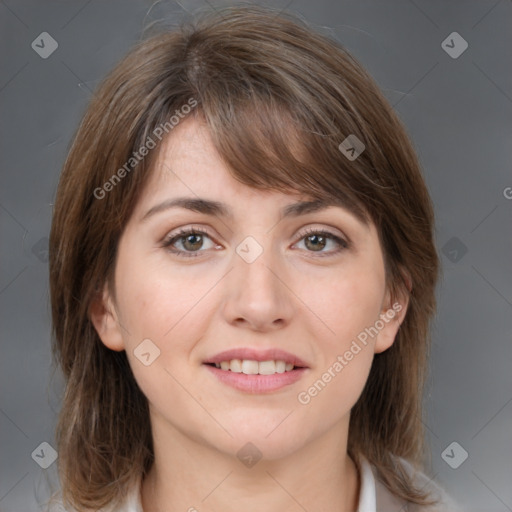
[191, 237]
[315, 244]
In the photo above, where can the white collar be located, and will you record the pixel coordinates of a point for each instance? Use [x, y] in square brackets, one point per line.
[367, 495]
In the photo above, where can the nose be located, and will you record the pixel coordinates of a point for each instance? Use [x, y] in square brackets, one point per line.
[257, 294]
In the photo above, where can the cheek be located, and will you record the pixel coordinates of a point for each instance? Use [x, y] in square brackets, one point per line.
[154, 298]
[345, 357]
[349, 303]
[173, 310]
[167, 311]
[336, 390]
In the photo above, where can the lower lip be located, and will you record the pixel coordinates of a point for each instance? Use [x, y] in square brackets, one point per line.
[257, 383]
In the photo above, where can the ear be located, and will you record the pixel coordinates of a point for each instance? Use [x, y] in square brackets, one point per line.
[392, 314]
[103, 316]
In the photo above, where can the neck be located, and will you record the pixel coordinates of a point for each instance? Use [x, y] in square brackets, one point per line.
[190, 476]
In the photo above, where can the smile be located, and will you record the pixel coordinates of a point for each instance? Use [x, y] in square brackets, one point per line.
[252, 367]
[256, 370]
[250, 380]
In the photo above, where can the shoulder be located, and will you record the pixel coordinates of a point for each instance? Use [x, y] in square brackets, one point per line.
[388, 502]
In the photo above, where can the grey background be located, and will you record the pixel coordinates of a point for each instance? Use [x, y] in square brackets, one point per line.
[457, 111]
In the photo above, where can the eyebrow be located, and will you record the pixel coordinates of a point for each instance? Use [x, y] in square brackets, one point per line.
[218, 209]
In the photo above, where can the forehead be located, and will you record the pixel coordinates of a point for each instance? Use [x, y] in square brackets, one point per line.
[189, 164]
[189, 173]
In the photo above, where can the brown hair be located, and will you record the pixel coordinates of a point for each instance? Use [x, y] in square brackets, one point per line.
[278, 99]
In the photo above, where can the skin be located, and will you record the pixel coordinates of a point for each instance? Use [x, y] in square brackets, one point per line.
[191, 308]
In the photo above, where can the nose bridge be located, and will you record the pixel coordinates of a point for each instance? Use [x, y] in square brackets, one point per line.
[254, 260]
[257, 293]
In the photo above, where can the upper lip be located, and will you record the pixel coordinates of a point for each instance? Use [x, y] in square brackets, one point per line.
[252, 354]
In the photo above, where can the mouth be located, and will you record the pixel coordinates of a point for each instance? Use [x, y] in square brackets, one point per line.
[253, 367]
[255, 371]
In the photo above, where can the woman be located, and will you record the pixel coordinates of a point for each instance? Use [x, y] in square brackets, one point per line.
[242, 273]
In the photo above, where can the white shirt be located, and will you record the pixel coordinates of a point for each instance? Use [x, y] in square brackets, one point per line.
[373, 495]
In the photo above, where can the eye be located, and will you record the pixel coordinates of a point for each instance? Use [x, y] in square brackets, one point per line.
[191, 239]
[317, 240]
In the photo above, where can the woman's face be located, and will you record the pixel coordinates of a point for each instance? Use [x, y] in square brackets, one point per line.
[250, 281]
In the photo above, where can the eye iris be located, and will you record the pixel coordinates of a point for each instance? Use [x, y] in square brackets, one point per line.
[316, 246]
[187, 239]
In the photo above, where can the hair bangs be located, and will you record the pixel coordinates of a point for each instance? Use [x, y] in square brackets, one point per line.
[267, 147]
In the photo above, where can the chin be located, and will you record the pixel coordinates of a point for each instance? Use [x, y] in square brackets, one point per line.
[269, 440]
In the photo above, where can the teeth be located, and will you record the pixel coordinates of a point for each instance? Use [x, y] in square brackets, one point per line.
[251, 367]
[280, 366]
[235, 365]
[267, 367]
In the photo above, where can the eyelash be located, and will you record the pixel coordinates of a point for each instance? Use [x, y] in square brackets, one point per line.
[169, 242]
